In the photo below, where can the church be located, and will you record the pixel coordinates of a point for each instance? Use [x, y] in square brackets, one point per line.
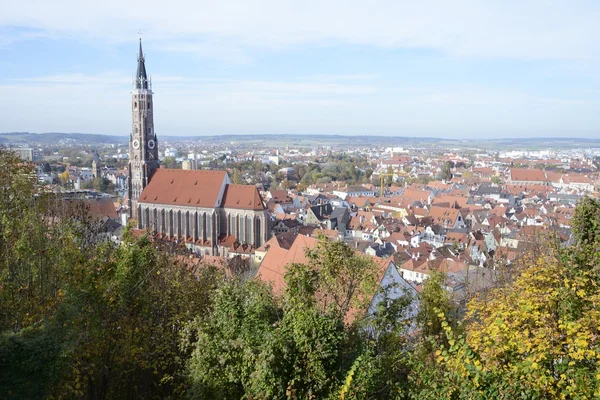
[202, 209]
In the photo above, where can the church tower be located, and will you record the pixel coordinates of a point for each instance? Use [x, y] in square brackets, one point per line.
[96, 166]
[143, 146]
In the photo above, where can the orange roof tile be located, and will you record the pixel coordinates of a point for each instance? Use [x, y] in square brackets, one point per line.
[191, 188]
[523, 174]
[273, 267]
[245, 197]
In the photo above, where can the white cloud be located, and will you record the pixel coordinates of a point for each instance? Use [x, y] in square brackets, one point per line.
[531, 29]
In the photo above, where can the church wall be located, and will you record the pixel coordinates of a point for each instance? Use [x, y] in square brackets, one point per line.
[246, 230]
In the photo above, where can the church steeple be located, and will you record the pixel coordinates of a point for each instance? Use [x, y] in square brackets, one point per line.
[141, 79]
[143, 145]
[96, 166]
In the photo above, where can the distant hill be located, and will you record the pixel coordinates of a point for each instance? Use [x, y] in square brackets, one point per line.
[308, 140]
[57, 138]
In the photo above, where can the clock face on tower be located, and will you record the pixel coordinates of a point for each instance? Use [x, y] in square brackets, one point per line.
[136, 144]
[151, 144]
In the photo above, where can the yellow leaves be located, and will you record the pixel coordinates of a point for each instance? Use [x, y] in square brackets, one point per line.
[581, 293]
[534, 365]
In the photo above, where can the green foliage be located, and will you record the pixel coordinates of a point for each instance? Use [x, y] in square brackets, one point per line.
[236, 177]
[99, 184]
[170, 162]
[434, 300]
[300, 345]
[345, 279]
[30, 361]
[81, 318]
[586, 222]
[446, 171]
[226, 344]
[533, 339]
[127, 315]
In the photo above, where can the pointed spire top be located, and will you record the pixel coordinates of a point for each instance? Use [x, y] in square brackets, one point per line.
[141, 53]
[141, 79]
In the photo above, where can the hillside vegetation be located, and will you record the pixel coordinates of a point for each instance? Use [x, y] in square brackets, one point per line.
[86, 319]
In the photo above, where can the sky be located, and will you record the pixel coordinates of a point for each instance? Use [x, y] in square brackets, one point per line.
[453, 69]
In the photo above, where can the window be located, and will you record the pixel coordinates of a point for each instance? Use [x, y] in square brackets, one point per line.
[135, 105]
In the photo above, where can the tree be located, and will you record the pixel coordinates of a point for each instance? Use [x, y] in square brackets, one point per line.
[434, 300]
[254, 344]
[586, 222]
[274, 183]
[170, 162]
[535, 338]
[346, 279]
[226, 344]
[389, 179]
[236, 177]
[81, 317]
[46, 167]
[64, 178]
[99, 184]
[446, 171]
[286, 184]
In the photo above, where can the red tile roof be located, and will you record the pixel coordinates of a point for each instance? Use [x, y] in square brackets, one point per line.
[95, 208]
[245, 197]
[273, 267]
[443, 215]
[530, 175]
[191, 188]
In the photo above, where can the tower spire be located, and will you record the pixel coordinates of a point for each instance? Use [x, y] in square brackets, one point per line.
[143, 147]
[141, 79]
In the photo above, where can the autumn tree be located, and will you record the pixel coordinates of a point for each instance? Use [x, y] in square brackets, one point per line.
[536, 337]
[434, 300]
[236, 177]
[301, 344]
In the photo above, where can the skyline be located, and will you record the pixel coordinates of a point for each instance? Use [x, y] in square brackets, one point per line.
[276, 68]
